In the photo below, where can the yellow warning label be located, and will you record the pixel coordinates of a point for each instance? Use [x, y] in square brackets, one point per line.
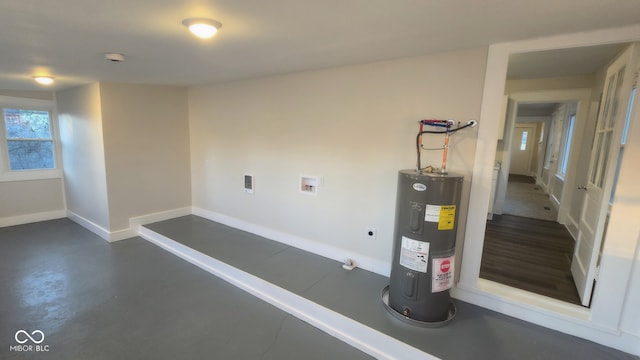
[447, 217]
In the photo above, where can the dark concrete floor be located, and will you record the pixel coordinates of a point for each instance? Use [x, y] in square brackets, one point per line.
[475, 332]
[132, 300]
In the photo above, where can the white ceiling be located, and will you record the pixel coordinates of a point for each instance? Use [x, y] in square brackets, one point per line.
[537, 109]
[67, 38]
[562, 62]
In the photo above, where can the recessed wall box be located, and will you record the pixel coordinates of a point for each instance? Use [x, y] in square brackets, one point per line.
[248, 183]
[309, 185]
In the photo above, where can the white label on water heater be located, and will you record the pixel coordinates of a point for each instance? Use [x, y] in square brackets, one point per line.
[442, 278]
[432, 213]
[414, 254]
[419, 187]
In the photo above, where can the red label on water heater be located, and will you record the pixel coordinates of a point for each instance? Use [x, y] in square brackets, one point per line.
[442, 278]
[445, 265]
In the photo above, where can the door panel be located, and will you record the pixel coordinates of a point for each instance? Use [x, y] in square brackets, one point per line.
[607, 144]
[522, 149]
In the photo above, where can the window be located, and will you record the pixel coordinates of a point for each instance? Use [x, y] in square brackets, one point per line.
[566, 150]
[523, 141]
[29, 140]
[553, 137]
[27, 131]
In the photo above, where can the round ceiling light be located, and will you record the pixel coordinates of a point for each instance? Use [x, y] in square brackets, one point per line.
[201, 27]
[43, 80]
[114, 57]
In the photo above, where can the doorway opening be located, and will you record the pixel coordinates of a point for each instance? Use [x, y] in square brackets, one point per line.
[526, 246]
[530, 254]
[584, 136]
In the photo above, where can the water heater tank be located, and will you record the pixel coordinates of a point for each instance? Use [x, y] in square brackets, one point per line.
[422, 271]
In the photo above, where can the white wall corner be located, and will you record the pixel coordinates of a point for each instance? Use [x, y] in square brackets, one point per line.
[31, 218]
[121, 234]
[363, 262]
[136, 222]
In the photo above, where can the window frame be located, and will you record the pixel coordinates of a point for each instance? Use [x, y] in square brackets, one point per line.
[6, 174]
[623, 140]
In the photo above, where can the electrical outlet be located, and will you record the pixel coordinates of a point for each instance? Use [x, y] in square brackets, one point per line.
[371, 233]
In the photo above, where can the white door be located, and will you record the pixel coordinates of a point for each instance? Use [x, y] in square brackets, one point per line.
[604, 153]
[522, 149]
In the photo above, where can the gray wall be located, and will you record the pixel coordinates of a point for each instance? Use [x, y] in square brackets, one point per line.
[352, 126]
[125, 150]
[146, 139]
[80, 117]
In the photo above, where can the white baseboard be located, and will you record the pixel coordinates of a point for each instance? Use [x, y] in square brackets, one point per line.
[364, 262]
[31, 218]
[362, 337]
[134, 222]
[542, 311]
[121, 234]
[89, 225]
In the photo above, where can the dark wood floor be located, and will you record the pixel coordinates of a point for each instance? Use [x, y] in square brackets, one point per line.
[522, 179]
[529, 254]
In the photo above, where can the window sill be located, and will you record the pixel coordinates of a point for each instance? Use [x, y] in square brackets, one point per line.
[28, 175]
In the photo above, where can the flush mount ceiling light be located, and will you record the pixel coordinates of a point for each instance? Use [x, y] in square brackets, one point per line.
[201, 27]
[43, 80]
[114, 57]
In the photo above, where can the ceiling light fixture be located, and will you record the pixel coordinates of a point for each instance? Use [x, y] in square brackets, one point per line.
[201, 27]
[114, 57]
[43, 80]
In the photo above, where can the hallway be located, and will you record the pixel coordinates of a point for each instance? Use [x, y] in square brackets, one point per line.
[525, 198]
